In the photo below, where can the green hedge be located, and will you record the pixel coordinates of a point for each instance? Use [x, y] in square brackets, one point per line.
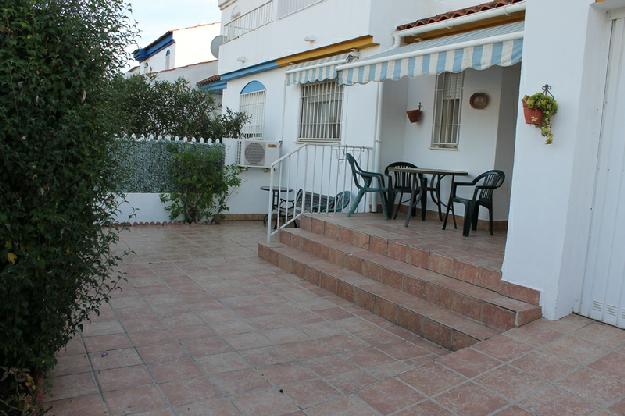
[146, 164]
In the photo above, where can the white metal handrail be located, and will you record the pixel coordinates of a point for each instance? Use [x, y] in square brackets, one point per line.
[249, 21]
[314, 178]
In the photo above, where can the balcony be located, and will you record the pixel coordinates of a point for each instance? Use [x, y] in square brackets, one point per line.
[263, 15]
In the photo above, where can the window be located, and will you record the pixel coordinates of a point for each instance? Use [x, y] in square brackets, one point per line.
[168, 59]
[253, 104]
[447, 109]
[322, 108]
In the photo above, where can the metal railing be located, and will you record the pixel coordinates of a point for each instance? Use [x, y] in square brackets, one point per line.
[289, 7]
[248, 22]
[314, 178]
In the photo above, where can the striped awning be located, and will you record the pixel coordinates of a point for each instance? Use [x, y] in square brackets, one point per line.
[478, 49]
[315, 71]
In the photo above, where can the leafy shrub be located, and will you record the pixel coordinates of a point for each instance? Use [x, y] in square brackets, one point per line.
[18, 391]
[145, 107]
[56, 138]
[201, 184]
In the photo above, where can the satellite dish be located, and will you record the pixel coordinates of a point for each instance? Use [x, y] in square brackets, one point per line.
[215, 44]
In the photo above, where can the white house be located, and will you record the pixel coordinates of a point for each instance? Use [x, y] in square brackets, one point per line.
[178, 48]
[366, 62]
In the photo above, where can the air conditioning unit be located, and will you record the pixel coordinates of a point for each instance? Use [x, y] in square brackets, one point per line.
[258, 153]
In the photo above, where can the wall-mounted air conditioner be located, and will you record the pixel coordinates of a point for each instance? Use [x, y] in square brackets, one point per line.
[258, 153]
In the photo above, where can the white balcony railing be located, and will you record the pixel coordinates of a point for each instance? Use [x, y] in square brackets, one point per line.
[249, 21]
[314, 178]
[288, 7]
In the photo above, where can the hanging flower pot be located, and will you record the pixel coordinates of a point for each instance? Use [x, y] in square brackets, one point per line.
[533, 116]
[414, 115]
[539, 109]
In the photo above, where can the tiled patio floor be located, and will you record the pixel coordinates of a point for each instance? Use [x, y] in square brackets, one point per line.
[204, 327]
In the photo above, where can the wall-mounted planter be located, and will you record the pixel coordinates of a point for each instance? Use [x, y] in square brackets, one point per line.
[414, 115]
[533, 116]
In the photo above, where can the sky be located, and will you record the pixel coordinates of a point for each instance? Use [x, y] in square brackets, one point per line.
[155, 17]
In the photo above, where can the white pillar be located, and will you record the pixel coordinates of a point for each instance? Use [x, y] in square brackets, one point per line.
[566, 46]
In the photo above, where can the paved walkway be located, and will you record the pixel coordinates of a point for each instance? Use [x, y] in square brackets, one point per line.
[204, 327]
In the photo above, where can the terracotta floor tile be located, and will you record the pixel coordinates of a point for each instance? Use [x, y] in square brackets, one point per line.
[182, 392]
[404, 350]
[369, 357]
[352, 382]
[602, 334]
[618, 408]
[265, 402]
[432, 379]
[222, 363]
[107, 342]
[543, 366]
[389, 396]
[613, 363]
[134, 400]
[513, 411]
[213, 407]
[503, 348]
[471, 400]
[344, 406]
[70, 386]
[575, 350]
[102, 328]
[469, 362]
[123, 378]
[427, 408]
[556, 402]
[510, 382]
[310, 393]
[91, 405]
[286, 373]
[106, 360]
[201, 347]
[181, 369]
[162, 353]
[331, 365]
[238, 382]
[71, 364]
[594, 386]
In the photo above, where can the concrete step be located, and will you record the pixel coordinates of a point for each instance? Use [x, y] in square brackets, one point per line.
[436, 323]
[399, 247]
[483, 305]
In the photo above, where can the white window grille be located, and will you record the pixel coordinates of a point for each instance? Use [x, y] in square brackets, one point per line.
[321, 113]
[447, 110]
[249, 21]
[253, 104]
[288, 7]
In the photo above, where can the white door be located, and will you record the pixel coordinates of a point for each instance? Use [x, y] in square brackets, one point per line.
[603, 296]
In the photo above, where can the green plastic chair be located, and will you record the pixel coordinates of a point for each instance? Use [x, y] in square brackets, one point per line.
[363, 181]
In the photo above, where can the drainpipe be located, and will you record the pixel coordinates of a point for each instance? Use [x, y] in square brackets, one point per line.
[462, 20]
[377, 140]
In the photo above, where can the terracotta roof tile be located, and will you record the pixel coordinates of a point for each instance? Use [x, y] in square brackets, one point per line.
[459, 13]
[209, 80]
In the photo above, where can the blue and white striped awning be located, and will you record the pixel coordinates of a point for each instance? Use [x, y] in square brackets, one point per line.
[478, 49]
[315, 71]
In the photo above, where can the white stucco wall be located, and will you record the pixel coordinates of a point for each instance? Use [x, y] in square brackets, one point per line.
[193, 73]
[193, 44]
[552, 185]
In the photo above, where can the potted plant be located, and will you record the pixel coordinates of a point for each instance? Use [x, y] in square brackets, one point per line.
[415, 115]
[539, 109]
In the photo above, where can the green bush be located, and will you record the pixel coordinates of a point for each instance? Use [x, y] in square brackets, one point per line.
[202, 184]
[145, 107]
[57, 234]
